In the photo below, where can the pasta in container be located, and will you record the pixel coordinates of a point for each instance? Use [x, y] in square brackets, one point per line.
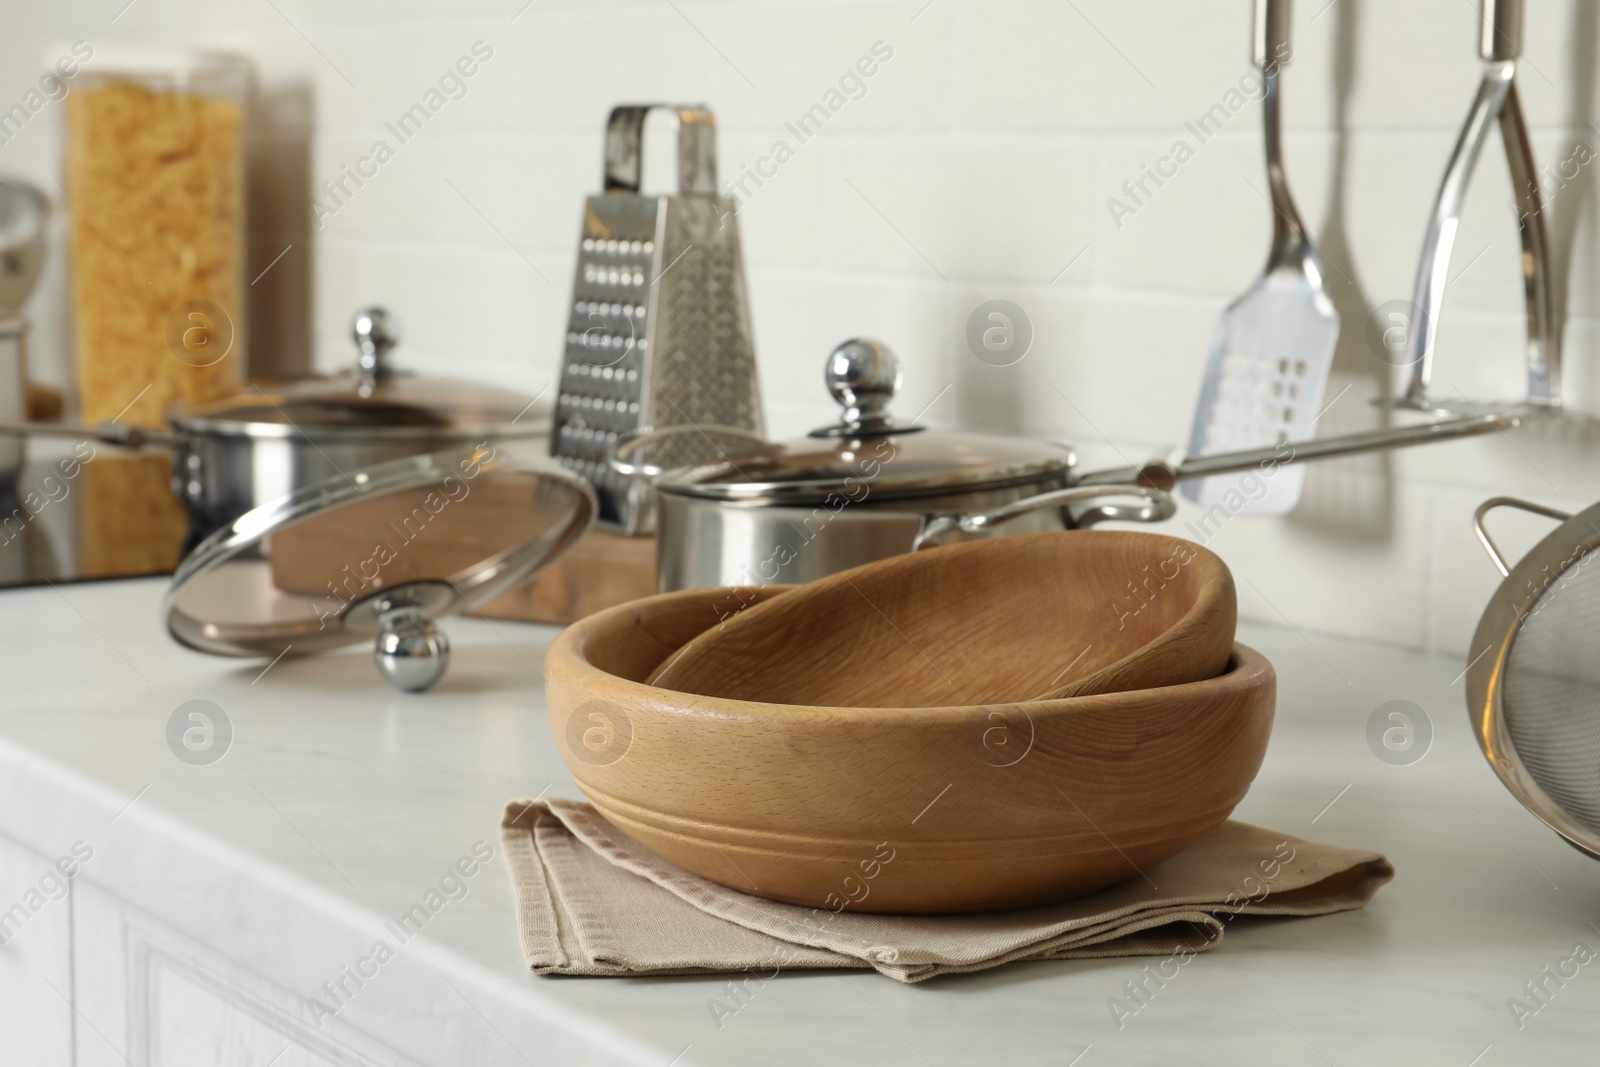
[154, 179]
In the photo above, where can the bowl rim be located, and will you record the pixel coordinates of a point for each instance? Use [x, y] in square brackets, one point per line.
[567, 660]
[1214, 588]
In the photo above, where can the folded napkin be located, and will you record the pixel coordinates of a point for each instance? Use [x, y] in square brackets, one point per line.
[592, 901]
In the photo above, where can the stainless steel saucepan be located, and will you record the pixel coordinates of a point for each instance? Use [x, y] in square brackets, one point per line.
[734, 509]
[863, 489]
[234, 454]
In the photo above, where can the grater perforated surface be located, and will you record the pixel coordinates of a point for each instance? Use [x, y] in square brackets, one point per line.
[703, 373]
[607, 341]
[658, 335]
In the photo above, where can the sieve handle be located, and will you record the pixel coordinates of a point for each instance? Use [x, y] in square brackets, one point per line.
[1508, 502]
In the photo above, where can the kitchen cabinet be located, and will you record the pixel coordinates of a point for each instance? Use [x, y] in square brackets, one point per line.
[149, 996]
[36, 1024]
[89, 981]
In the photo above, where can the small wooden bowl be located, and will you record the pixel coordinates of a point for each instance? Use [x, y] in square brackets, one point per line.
[908, 810]
[1035, 617]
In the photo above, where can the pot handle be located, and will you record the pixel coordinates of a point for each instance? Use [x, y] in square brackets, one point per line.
[1157, 506]
[1508, 502]
[120, 434]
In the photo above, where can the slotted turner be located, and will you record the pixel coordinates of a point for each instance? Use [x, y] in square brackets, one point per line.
[1273, 347]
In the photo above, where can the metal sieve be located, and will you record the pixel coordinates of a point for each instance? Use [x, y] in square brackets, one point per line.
[1533, 682]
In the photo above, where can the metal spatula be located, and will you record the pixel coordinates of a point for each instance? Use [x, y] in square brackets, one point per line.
[1273, 347]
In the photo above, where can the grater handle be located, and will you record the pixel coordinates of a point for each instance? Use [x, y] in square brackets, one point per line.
[697, 148]
[1508, 502]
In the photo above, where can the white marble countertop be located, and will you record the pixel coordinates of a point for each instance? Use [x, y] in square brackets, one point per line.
[341, 802]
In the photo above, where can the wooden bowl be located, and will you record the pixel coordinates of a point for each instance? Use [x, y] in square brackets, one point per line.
[1033, 617]
[910, 810]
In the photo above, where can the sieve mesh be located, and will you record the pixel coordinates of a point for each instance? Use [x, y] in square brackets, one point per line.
[1551, 691]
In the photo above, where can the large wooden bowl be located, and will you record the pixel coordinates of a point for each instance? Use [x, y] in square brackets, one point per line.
[912, 810]
[1034, 617]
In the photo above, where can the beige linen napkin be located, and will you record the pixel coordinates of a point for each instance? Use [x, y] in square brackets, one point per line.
[592, 901]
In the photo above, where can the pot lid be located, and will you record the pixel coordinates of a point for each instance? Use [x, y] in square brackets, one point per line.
[867, 447]
[381, 551]
[372, 399]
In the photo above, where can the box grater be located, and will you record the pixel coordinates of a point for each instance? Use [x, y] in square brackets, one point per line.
[658, 331]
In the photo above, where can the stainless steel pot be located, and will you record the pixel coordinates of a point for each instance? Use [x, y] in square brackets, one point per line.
[232, 455]
[13, 400]
[870, 487]
[858, 491]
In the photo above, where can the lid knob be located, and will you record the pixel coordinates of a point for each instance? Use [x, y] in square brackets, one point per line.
[375, 332]
[863, 375]
[411, 652]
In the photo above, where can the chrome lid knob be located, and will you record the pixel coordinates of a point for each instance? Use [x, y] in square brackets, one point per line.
[375, 332]
[863, 375]
[411, 651]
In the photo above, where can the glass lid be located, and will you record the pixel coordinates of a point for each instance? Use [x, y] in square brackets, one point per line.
[373, 399]
[380, 552]
[867, 447]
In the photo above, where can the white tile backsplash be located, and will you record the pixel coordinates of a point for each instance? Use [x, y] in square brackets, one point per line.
[973, 164]
[1204, 230]
[1464, 578]
[1096, 65]
[1001, 209]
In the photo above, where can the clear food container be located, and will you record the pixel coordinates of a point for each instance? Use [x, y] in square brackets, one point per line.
[153, 171]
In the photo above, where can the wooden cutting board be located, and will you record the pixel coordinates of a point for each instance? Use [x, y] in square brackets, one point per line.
[602, 570]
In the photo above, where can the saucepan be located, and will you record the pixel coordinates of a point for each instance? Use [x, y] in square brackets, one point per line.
[734, 509]
[237, 453]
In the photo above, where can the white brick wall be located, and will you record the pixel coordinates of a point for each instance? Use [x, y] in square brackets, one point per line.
[976, 165]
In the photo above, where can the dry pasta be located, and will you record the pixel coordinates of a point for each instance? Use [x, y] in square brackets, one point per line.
[155, 180]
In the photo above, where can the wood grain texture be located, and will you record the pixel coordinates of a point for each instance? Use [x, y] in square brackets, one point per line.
[602, 570]
[1041, 616]
[982, 807]
[409, 535]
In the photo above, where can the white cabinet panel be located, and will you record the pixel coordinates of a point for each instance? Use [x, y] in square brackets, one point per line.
[100, 977]
[192, 1026]
[35, 959]
[150, 996]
